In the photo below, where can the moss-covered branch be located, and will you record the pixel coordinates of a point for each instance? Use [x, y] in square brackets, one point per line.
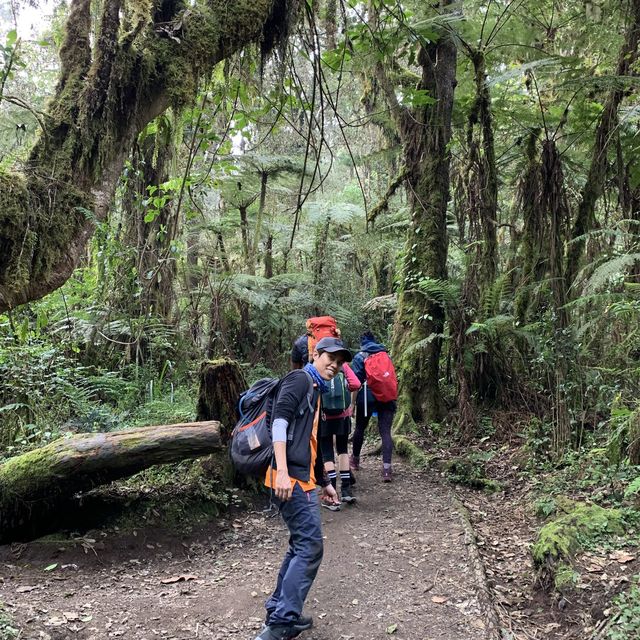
[383, 203]
[148, 56]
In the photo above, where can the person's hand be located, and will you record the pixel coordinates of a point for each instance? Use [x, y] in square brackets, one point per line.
[283, 485]
[329, 495]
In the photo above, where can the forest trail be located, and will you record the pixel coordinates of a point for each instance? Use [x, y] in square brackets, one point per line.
[395, 566]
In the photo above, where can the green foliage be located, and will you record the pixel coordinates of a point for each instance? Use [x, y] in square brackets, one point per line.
[633, 489]
[165, 408]
[610, 270]
[624, 429]
[470, 472]
[537, 441]
[623, 621]
[43, 391]
[544, 507]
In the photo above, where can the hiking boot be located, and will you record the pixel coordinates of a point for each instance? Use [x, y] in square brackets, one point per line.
[302, 621]
[347, 496]
[354, 462]
[387, 476]
[286, 631]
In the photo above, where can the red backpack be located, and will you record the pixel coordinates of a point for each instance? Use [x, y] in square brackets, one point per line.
[381, 376]
[320, 327]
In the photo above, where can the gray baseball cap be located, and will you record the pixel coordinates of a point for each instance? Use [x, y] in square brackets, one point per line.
[334, 345]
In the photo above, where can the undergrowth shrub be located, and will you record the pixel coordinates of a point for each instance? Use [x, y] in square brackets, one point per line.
[44, 392]
[7, 629]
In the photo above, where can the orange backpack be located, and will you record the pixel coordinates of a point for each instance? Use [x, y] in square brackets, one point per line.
[320, 327]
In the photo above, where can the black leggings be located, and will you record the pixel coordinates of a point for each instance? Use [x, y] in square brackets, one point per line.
[386, 411]
[326, 446]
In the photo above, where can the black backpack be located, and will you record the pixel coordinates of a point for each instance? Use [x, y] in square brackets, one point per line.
[251, 444]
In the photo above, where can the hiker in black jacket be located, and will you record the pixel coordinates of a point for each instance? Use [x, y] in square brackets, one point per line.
[297, 469]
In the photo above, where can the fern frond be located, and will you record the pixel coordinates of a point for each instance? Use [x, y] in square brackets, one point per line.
[412, 349]
[611, 268]
[444, 292]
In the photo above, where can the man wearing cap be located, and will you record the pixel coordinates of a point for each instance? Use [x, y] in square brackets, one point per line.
[297, 469]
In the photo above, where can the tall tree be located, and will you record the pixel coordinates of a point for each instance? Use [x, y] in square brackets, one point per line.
[585, 219]
[424, 126]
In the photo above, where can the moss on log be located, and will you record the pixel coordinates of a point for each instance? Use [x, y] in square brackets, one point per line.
[34, 485]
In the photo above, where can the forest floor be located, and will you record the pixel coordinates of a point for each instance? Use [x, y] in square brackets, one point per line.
[396, 565]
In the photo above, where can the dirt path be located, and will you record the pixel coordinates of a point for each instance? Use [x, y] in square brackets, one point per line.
[395, 566]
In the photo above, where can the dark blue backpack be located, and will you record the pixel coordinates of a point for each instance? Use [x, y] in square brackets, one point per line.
[251, 444]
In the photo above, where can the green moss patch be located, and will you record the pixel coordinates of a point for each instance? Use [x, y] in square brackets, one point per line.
[565, 578]
[579, 526]
[39, 219]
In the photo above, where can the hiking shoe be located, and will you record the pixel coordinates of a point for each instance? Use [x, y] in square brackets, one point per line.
[286, 631]
[330, 506]
[387, 476]
[347, 496]
[354, 462]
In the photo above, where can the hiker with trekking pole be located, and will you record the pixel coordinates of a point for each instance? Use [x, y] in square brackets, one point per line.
[335, 426]
[378, 396]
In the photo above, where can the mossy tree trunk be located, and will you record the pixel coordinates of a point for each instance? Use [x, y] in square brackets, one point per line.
[143, 58]
[585, 220]
[425, 132]
[480, 201]
[35, 485]
[535, 233]
[150, 264]
[554, 203]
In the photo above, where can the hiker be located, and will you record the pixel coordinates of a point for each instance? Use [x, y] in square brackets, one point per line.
[335, 421]
[298, 467]
[378, 395]
[317, 328]
[299, 352]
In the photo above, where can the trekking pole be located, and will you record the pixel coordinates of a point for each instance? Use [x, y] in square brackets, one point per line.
[365, 399]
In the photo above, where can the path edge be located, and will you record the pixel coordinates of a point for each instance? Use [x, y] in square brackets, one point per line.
[492, 622]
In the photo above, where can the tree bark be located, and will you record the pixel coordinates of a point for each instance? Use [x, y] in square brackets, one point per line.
[221, 383]
[34, 485]
[142, 64]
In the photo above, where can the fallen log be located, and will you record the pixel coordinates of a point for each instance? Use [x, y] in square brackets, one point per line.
[34, 485]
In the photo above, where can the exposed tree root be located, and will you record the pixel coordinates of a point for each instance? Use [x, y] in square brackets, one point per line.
[492, 623]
